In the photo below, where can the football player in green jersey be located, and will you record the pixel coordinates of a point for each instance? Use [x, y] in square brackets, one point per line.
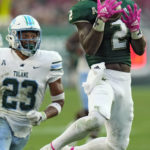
[106, 42]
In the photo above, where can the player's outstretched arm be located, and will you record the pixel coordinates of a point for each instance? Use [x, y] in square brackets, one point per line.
[57, 96]
[88, 32]
[132, 21]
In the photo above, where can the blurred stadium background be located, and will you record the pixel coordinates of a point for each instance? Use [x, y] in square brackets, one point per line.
[52, 15]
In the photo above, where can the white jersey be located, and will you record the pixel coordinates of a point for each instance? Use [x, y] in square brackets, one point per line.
[23, 84]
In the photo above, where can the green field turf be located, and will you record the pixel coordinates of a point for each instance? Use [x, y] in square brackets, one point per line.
[50, 129]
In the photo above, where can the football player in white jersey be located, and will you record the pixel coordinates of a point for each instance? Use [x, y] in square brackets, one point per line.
[25, 72]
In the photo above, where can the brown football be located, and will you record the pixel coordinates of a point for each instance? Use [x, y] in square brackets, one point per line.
[115, 16]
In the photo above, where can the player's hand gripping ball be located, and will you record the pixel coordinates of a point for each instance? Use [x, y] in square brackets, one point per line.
[117, 15]
[109, 10]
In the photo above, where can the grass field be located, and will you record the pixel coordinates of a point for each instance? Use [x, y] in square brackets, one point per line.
[50, 129]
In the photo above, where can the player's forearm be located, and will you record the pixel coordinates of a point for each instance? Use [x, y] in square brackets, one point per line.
[92, 42]
[132, 21]
[91, 36]
[138, 45]
[53, 110]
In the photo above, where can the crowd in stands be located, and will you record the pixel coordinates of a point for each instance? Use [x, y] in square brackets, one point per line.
[52, 12]
[55, 12]
[145, 5]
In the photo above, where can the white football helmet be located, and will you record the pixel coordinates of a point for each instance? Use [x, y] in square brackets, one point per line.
[17, 26]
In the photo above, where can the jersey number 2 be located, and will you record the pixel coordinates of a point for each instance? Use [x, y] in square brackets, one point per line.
[13, 92]
[119, 37]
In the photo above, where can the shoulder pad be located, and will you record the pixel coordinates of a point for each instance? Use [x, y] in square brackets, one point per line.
[83, 10]
[56, 56]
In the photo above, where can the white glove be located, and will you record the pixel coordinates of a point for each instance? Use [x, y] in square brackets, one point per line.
[46, 147]
[36, 117]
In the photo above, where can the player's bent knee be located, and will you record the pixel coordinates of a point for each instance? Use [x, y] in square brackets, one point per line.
[94, 120]
[119, 145]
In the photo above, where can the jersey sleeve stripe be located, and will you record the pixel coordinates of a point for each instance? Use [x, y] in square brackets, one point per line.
[56, 69]
[56, 66]
[56, 62]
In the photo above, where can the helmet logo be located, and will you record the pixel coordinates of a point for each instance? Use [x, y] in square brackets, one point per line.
[24, 23]
[29, 20]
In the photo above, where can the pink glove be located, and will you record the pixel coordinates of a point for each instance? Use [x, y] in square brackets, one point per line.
[107, 9]
[132, 20]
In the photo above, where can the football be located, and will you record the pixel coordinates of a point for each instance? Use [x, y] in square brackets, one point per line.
[115, 17]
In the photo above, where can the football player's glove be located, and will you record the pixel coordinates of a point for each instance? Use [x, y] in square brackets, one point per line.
[36, 117]
[132, 20]
[109, 8]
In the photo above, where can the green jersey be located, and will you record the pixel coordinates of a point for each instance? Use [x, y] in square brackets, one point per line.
[115, 47]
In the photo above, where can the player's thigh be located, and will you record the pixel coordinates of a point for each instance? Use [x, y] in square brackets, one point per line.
[5, 135]
[119, 125]
[19, 143]
[101, 99]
